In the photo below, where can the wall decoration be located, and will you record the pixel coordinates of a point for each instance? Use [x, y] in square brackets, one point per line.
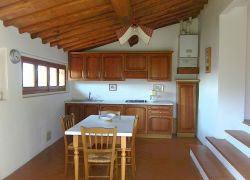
[208, 60]
[112, 87]
[158, 87]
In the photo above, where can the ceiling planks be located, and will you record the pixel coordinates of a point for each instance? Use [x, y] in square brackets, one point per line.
[76, 25]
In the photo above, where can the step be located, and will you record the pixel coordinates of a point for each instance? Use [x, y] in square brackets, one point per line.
[212, 168]
[241, 136]
[247, 122]
[233, 159]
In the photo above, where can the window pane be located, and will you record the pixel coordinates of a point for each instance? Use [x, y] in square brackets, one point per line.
[28, 75]
[53, 76]
[42, 75]
[61, 77]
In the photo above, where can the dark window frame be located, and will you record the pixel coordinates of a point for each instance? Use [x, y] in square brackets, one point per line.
[43, 89]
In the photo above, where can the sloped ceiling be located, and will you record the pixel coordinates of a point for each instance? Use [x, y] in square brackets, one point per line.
[76, 25]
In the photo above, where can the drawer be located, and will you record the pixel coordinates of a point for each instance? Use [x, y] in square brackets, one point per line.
[160, 110]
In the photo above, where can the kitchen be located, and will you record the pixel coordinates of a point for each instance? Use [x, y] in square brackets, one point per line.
[36, 115]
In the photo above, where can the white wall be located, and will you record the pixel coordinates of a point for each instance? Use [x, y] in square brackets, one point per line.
[222, 92]
[247, 96]
[232, 62]
[163, 39]
[208, 92]
[25, 121]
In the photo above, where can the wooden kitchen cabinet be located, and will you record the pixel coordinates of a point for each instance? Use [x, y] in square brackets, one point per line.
[117, 66]
[160, 119]
[136, 66]
[92, 64]
[111, 107]
[160, 67]
[76, 109]
[112, 67]
[141, 112]
[91, 109]
[76, 66]
[187, 95]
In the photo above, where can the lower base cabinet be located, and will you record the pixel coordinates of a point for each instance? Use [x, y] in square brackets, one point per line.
[141, 112]
[153, 119]
[76, 109]
[159, 124]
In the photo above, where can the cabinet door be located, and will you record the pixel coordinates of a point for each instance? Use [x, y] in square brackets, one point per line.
[141, 112]
[91, 109]
[112, 67]
[160, 125]
[76, 109]
[76, 66]
[111, 107]
[136, 66]
[186, 107]
[160, 67]
[92, 67]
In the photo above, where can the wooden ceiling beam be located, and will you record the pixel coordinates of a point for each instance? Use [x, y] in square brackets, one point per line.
[73, 33]
[170, 12]
[73, 17]
[22, 8]
[99, 42]
[4, 3]
[66, 27]
[55, 31]
[161, 22]
[170, 16]
[122, 9]
[89, 39]
[92, 26]
[89, 34]
[65, 7]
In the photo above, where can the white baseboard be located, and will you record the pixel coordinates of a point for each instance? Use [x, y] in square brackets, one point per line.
[236, 174]
[239, 145]
[197, 164]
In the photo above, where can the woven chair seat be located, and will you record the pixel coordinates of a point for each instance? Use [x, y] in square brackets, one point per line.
[99, 158]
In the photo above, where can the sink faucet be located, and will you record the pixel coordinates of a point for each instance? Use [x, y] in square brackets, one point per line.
[89, 96]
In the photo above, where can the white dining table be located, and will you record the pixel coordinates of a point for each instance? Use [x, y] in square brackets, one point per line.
[124, 125]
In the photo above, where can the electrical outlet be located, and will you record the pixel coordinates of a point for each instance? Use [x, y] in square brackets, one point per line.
[48, 136]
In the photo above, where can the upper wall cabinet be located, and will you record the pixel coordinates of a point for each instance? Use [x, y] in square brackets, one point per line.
[160, 66]
[136, 66]
[154, 66]
[76, 66]
[112, 67]
[92, 64]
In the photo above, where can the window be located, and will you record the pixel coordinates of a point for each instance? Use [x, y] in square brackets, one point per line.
[41, 76]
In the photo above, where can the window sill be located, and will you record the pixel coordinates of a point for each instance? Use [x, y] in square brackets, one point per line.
[44, 94]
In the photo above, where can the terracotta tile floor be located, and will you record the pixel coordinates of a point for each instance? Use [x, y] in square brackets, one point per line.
[157, 159]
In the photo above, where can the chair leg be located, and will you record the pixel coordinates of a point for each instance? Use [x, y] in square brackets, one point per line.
[86, 169]
[111, 171]
[66, 162]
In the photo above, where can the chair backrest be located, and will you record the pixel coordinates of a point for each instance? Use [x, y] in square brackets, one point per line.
[99, 140]
[134, 130]
[67, 122]
[118, 113]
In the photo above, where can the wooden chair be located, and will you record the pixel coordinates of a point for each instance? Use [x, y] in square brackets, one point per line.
[130, 150]
[99, 149]
[67, 122]
[118, 113]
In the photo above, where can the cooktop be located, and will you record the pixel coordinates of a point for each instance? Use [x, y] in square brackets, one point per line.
[136, 101]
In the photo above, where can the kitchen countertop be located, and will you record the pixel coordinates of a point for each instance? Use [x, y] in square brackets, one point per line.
[120, 102]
